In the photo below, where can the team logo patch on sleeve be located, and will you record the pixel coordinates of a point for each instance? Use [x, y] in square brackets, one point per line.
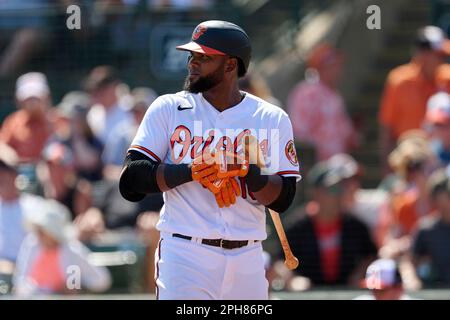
[291, 154]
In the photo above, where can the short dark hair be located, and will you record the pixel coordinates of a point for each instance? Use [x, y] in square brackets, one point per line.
[100, 77]
[241, 68]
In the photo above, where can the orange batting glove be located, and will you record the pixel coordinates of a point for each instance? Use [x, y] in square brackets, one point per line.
[228, 193]
[203, 169]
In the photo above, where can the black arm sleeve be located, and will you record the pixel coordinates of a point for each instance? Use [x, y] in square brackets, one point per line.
[255, 180]
[286, 196]
[138, 177]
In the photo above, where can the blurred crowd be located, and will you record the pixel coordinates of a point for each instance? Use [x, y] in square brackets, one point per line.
[70, 155]
[343, 228]
[60, 164]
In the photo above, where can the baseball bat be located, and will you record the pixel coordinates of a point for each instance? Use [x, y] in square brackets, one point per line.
[289, 259]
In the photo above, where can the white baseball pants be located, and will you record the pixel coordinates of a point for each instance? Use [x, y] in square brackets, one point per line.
[187, 270]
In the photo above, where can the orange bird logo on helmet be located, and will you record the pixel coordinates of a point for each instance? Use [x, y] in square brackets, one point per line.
[198, 32]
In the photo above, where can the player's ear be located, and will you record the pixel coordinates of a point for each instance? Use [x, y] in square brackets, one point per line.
[231, 64]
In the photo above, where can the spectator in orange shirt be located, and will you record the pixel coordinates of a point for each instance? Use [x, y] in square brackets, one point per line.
[28, 129]
[409, 86]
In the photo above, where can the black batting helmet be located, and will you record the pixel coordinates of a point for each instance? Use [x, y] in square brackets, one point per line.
[215, 37]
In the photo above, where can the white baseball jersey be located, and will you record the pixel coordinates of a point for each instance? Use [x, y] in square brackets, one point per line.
[177, 127]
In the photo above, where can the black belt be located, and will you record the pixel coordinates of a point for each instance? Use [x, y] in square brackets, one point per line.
[226, 244]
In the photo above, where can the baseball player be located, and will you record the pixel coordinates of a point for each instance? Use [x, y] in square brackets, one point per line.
[220, 156]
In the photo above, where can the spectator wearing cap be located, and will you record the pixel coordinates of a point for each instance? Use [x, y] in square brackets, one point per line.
[408, 88]
[317, 109]
[437, 123]
[106, 112]
[368, 205]
[74, 131]
[384, 281]
[28, 129]
[430, 253]
[334, 246]
[122, 136]
[13, 207]
[50, 254]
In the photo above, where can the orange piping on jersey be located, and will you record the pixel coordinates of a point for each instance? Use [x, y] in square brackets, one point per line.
[288, 172]
[146, 150]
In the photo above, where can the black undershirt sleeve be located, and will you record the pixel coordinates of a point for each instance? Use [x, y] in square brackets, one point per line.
[255, 180]
[138, 176]
[286, 196]
[177, 174]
